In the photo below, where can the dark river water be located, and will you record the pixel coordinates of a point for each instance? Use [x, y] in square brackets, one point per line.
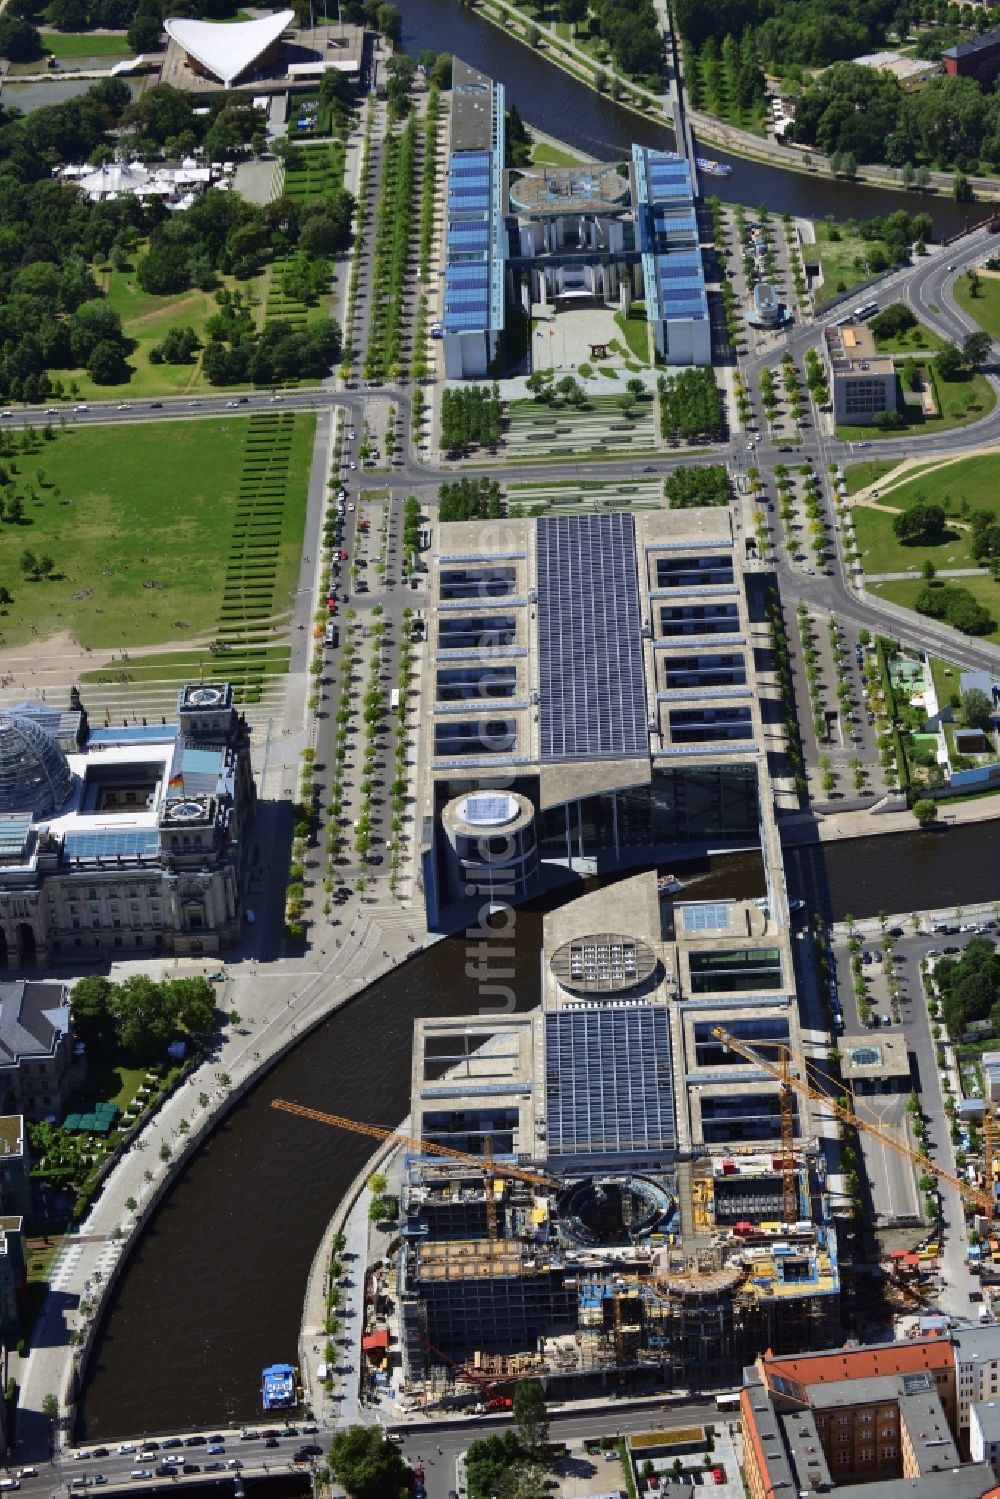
[556, 103]
[214, 1291]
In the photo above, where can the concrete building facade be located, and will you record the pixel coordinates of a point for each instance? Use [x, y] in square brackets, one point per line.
[863, 383]
[123, 839]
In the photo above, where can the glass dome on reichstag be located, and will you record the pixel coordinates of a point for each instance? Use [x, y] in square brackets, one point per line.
[34, 774]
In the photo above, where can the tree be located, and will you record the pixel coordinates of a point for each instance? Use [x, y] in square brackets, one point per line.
[144, 33]
[977, 709]
[29, 563]
[921, 523]
[90, 1007]
[530, 1414]
[949, 362]
[19, 41]
[925, 811]
[368, 1466]
[976, 349]
[107, 365]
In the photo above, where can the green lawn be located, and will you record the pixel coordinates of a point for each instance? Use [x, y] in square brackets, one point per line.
[882, 552]
[914, 341]
[635, 330]
[147, 319]
[837, 257]
[85, 44]
[543, 154]
[122, 507]
[860, 475]
[963, 401]
[975, 480]
[983, 590]
[984, 309]
[946, 677]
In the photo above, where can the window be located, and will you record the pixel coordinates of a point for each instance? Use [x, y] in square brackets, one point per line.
[866, 1418]
[888, 1453]
[865, 1454]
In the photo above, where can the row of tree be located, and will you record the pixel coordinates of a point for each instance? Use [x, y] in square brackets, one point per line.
[688, 488]
[970, 986]
[689, 406]
[470, 499]
[956, 606]
[471, 416]
[137, 1018]
[812, 32]
[950, 122]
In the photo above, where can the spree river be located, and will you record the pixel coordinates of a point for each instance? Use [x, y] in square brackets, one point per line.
[214, 1291]
[556, 103]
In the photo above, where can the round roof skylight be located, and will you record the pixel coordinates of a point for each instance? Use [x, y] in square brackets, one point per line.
[489, 809]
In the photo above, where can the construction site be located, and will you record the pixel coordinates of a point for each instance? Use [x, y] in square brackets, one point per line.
[581, 1202]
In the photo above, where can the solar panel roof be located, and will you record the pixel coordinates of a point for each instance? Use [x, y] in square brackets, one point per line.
[591, 680]
[627, 1103]
[106, 843]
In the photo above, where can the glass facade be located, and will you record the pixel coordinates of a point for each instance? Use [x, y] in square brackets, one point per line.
[735, 970]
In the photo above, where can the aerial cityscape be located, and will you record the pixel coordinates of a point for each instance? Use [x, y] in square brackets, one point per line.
[499, 748]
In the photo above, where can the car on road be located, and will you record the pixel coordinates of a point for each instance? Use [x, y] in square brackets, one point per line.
[156, 405]
[198, 1441]
[214, 1468]
[234, 1462]
[232, 405]
[164, 1470]
[934, 952]
[215, 1447]
[140, 1473]
[270, 1441]
[250, 1434]
[866, 957]
[124, 1448]
[309, 1427]
[82, 407]
[191, 1468]
[949, 951]
[169, 1442]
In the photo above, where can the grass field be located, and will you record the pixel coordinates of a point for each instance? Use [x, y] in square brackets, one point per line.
[915, 340]
[976, 480]
[984, 309]
[565, 432]
[860, 475]
[85, 44]
[141, 522]
[983, 590]
[961, 401]
[635, 331]
[882, 551]
[837, 259]
[542, 154]
[147, 319]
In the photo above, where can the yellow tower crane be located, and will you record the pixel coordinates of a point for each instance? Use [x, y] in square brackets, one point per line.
[983, 1199]
[484, 1163]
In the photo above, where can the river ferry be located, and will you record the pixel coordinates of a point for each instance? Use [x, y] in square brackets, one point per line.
[278, 1387]
[716, 168]
[669, 884]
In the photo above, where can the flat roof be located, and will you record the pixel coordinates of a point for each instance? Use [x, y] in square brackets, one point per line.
[874, 1055]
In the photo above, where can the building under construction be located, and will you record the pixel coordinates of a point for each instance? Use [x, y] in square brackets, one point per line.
[669, 1216]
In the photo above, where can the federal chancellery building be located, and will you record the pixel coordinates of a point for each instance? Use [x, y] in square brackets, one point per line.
[128, 840]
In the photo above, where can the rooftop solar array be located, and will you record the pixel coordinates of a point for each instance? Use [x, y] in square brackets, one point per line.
[592, 684]
[713, 916]
[107, 843]
[624, 1105]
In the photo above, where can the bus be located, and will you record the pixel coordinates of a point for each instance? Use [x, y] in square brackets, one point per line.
[394, 700]
[730, 1403]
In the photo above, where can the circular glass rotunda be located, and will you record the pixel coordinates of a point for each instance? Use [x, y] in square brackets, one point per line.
[35, 776]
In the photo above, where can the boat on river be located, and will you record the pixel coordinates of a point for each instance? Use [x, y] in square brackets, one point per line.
[715, 168]
[278, 1391]
[669, 884]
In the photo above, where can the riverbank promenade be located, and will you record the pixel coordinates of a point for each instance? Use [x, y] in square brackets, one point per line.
[277, 1003]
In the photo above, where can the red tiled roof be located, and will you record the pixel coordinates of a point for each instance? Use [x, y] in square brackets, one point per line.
[864, 1363]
